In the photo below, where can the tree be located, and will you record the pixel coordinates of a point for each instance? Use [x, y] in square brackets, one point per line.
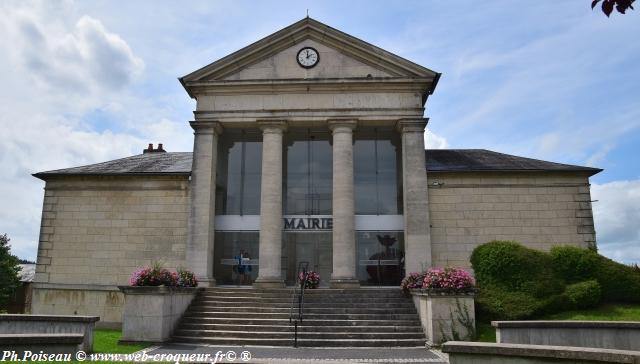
[607, 6]
[8, 271]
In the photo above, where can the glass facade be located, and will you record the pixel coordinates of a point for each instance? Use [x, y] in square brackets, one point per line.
[380, 257]
[377, 162]
[238, 174]
[307, 191]
[308, 172]
[236, 257]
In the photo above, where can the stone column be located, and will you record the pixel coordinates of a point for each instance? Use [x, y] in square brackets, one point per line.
[199, 252]
[270, 271]
[344, 242]
[417, 228]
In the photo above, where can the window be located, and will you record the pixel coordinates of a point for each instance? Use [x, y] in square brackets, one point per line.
[239, 172]
[377, 172]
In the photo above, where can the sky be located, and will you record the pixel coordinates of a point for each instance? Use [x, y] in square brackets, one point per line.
[88, 81]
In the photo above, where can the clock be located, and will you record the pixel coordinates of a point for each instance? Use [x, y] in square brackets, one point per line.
[308, 57]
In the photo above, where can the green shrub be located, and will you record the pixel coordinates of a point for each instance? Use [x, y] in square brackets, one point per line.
[513, 267]
[619, 283]
[585, 294]
[494, 303]
[574, 264]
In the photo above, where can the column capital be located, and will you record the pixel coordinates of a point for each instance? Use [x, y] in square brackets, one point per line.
[342, 125]
[206, 127]
[272, 125]
[416, 125]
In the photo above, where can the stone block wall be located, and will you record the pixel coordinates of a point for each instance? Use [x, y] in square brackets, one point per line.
[539, 210]
[96, 231]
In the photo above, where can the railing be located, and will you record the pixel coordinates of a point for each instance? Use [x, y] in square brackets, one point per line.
[298, 293]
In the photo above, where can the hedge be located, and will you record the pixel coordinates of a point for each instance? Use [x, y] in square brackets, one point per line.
[516, 282]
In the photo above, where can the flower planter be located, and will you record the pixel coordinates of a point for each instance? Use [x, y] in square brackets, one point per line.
[445, 316]
[151, 314]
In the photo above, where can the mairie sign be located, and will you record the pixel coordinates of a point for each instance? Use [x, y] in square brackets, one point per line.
[308, 223]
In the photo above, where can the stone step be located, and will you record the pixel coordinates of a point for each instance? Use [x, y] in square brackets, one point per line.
[338, 299]
[301, 334]
[301, 327]
[309, 292]
[306, 321]
[310, 315]
[307, 310]
[250, 305]
[302, 342]
[393, 290]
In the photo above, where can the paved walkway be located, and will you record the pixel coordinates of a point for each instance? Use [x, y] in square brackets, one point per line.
[269, 354]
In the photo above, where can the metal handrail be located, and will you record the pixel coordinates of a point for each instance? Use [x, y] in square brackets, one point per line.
[303, 267]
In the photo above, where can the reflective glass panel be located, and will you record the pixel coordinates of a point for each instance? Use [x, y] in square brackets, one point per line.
[308, 173]
[314, 249]
[380, 257]
[377, 172]
[238, 173]
[236, 257]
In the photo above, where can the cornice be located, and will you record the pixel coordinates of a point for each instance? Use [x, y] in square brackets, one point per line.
[245, 87]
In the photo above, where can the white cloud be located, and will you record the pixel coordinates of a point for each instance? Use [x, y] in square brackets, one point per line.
[83, 58]
[434, 141]
[617, 218]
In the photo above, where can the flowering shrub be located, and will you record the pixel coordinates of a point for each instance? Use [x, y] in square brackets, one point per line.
[156, 275]
[412, 281]
[451, 280]
[313, 279]
[186, 278]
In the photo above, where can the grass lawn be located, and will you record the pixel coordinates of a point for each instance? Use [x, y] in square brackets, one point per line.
[106, 341]
[626, 312]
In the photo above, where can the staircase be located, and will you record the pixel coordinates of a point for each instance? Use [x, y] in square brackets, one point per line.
[332, 318]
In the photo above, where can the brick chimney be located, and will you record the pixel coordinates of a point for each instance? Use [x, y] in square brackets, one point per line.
[150, 149]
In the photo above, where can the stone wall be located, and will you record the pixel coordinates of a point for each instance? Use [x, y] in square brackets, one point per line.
[96, 231]
[540, 210]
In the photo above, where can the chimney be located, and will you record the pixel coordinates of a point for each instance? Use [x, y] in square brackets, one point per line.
[150, 149]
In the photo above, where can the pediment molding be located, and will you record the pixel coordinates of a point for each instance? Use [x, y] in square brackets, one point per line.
[307, 28]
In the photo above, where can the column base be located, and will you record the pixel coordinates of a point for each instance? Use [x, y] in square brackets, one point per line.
[268, 283]
[344, 283]
[206, 282]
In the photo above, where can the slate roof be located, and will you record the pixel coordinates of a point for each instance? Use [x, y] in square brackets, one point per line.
[479, 160]
[437, 160]
[141, 164]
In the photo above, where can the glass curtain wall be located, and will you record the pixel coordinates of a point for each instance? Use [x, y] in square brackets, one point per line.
[307, 186]
[239, 171]
[238, 176]
[377, 161]
[308, 172]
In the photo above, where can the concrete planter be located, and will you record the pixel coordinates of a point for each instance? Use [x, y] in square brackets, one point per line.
[445, 317]
[151, 313]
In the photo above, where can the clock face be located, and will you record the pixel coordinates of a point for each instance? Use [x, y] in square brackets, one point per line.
[308, 57]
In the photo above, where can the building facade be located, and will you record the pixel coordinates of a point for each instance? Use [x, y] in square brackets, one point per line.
[308, 149]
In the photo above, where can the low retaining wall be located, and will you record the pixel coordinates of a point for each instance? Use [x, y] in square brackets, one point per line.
[40, 347]
[622, 335]
[152, 313]
[79, 299]
[15, 324]
[463, 352]
[445, 317]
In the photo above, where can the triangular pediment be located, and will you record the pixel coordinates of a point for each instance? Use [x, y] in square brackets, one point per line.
[341, 56]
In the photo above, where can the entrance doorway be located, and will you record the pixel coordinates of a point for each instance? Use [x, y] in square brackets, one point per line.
[312, 247]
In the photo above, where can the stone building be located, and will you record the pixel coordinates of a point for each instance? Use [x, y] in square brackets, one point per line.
[308, 147]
